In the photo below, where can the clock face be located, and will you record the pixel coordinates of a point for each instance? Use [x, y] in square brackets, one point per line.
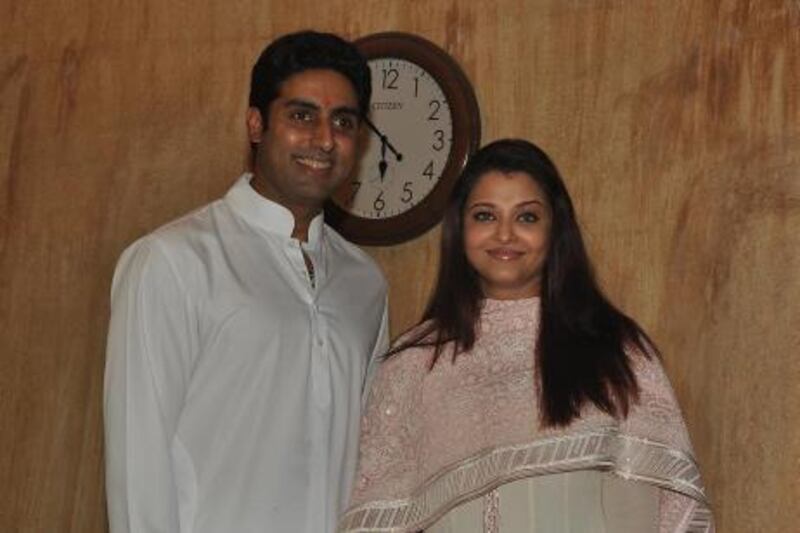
[395, 174]
[423, 124]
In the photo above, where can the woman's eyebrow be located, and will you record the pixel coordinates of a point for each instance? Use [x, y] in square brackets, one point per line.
[528, 202]
[484, 203]
[480, 204]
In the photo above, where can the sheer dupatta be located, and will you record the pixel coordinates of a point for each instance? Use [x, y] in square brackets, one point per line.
[432, 440]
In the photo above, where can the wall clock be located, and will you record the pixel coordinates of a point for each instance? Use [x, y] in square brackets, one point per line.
[424, 124]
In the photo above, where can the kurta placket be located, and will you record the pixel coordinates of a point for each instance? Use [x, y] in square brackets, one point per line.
[319, 417]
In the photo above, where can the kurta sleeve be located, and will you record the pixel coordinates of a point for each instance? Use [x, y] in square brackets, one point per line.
[658, 418]
[378, 350]
[150, 343]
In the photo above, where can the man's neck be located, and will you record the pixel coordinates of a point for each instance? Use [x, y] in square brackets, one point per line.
[300, 231]
[303, 215]
[302, 220]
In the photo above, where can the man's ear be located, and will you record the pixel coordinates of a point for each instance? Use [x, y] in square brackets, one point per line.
[255, 124]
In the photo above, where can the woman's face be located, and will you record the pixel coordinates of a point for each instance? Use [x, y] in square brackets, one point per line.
[507, 221]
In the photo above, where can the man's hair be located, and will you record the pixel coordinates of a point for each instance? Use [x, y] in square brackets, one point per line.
[305, 50]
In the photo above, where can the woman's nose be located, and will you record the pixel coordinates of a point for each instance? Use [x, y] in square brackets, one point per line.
[505, 230]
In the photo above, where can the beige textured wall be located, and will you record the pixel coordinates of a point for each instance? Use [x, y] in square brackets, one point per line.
[676, 124]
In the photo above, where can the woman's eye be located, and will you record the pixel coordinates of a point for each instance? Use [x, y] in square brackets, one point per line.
[528, 217]
[483, 216]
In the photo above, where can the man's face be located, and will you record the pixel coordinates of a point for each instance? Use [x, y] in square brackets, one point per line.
[308, 144]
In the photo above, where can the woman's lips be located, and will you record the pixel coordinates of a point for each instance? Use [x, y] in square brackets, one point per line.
[504, 254]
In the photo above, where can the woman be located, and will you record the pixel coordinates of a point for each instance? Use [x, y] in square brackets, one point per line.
[524, 401]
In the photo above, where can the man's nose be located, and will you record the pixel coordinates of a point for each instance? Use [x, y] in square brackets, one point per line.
[323, 136]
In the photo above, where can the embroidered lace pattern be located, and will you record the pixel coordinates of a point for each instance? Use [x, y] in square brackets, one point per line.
[491, 512]
[433, 440]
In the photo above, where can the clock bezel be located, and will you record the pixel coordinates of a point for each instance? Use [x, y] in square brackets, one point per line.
[466, 129]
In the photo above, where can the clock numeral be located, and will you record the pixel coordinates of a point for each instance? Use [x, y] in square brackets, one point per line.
[416, 87]
[439, 142]
[408, 194]
[435, 105]
[354, 192]
[379, 204]
[390, 78]
[428, 170]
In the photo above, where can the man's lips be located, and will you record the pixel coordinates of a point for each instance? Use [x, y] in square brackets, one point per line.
[504, 254]
[314, 163]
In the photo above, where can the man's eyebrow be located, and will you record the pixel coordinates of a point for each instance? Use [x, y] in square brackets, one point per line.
[297, 102]
[305, 104]
[347, 110]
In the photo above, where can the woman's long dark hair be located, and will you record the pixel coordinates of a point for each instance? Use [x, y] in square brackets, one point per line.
[581, 348]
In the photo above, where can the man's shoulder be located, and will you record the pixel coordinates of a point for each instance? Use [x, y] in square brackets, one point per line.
[347, 252]
[177, 241]
[347, 248]
[186, 228]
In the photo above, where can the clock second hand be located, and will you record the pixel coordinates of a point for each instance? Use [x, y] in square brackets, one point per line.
[384, 139]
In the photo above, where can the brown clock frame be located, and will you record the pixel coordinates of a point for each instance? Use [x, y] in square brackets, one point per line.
[465, 116]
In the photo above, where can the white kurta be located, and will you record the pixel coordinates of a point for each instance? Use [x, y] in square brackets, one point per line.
[233, 386]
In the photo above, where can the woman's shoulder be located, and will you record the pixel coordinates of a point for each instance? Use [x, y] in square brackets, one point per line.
[418, 336]
[645, 361]
[411, 350]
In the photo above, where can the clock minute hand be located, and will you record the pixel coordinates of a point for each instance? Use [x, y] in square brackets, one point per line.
[384, 139]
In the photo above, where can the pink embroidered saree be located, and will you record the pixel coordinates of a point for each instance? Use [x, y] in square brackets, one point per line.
[433, 440]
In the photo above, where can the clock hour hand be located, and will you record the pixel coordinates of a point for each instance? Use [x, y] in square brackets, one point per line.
[382, 165]
[384, 139]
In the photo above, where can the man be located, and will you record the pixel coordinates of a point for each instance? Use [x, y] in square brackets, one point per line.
[242, 334]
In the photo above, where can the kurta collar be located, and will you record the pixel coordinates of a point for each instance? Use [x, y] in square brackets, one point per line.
[492, 306]
[267, 215]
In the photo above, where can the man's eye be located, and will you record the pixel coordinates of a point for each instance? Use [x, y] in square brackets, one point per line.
[345, 122]
[528, 217]
[300, 115]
